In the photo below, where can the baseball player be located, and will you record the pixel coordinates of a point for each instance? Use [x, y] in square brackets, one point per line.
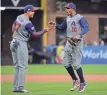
[23, 29]
[76, 26]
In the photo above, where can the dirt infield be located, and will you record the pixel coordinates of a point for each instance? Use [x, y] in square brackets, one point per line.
[54, 78]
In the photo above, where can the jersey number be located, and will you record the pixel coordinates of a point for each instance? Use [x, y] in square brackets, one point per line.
[74, 29]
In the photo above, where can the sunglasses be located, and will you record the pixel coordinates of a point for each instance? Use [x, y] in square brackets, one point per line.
[32, 11]
[67, 8]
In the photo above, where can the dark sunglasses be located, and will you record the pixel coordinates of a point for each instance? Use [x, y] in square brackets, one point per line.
[32, 11]
[67, 8]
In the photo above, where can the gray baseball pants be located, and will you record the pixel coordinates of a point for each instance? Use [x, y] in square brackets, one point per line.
[19, 52]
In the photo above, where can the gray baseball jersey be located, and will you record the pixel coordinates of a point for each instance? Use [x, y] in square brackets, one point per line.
[74, 25]
[22, 33]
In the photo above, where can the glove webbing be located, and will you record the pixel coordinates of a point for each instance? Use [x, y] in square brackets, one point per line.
[73, 41]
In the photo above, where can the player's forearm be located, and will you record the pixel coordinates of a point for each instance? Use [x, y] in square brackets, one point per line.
[62, 26]
[40, 33]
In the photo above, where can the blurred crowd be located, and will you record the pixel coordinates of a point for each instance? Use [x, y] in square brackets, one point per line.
[104, 35]
[102, 38]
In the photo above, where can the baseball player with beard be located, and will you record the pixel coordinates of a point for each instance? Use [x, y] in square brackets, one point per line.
[76, 26]
[23, 29]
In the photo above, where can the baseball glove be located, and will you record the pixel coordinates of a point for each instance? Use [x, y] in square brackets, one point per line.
[73, 42]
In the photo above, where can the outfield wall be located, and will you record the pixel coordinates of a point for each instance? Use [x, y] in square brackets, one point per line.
[94, 55]
[91, 54]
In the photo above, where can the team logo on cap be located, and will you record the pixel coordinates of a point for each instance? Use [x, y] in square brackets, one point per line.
[29, 9]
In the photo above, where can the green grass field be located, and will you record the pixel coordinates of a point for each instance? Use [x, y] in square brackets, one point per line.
[56, 69]
[56, 88]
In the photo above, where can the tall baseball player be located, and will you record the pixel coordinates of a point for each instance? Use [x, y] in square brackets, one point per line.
[23, 29]
[76, 26]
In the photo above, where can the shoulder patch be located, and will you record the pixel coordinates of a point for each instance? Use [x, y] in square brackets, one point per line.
[32, 28]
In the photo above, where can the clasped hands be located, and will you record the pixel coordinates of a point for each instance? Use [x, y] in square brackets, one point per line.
[50, 26]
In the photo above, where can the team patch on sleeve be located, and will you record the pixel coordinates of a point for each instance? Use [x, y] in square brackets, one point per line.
[33, 28]
[30, 27]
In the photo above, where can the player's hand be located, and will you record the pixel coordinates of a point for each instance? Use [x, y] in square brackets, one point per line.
[52, 23]
[76, 37]
[50, 26]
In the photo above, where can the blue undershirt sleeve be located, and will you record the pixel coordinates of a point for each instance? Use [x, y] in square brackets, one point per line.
[62, 26]
[84, 25]
[30, 28]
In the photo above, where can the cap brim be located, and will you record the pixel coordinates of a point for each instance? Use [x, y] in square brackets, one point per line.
[35, 9]
[66, 7]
